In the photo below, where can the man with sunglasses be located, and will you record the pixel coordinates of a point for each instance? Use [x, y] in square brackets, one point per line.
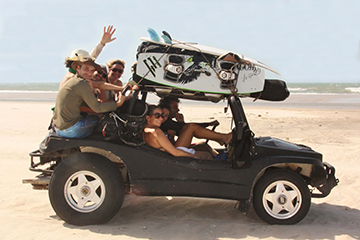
[116, 69]
[101, 77]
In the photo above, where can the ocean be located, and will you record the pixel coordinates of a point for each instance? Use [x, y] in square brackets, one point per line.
[330, 88]
[309, 88]
[302, 95]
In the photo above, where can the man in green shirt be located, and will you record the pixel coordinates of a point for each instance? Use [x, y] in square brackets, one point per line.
[77, 90]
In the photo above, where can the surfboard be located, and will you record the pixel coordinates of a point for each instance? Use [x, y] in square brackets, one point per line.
[198, 68]
[198, 77]
[207, 50]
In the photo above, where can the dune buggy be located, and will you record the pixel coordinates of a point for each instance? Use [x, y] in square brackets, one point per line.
[88, 178]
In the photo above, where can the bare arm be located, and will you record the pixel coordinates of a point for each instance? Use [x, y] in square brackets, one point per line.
[107, 86]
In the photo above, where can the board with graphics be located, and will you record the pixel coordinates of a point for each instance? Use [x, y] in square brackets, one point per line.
[192, 67]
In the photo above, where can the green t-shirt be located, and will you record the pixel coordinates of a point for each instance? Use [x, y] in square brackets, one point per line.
[70, 97]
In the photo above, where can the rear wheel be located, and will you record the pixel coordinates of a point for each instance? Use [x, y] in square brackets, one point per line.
[86, 189]
[281, 197]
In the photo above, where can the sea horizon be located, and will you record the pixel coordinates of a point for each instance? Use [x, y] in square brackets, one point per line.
[337, 88]
[302, 95]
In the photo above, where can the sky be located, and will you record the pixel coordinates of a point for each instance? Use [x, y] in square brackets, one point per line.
[305, 41]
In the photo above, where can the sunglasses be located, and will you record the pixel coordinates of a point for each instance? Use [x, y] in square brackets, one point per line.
[117, 70]
[158, 115]
[102, 74]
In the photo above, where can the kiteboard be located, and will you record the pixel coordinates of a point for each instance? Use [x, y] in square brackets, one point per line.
[199, 68]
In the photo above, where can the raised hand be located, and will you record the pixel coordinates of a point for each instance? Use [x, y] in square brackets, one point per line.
[107, 35]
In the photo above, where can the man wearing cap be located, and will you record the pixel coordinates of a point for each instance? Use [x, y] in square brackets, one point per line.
[77, 90]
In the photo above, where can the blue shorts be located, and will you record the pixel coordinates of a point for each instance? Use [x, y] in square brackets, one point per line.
[81, 129]
[188, 150]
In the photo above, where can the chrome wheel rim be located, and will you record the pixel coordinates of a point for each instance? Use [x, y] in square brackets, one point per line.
[282, 199]
[84, 191]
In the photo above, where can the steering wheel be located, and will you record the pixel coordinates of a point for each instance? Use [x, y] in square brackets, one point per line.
[213, 129]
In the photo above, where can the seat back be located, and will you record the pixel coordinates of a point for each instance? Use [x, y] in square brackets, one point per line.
[128, 128]
[242, 142]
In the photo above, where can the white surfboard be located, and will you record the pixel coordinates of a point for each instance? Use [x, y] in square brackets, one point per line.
[207, 50]
[209, 72]
[199, 77]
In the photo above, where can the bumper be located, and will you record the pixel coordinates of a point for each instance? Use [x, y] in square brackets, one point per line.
[330, 183]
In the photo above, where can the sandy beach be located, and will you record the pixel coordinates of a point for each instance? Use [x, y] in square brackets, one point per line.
[328, 125]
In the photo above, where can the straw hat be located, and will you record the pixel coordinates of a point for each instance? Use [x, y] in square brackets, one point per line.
[79, 56]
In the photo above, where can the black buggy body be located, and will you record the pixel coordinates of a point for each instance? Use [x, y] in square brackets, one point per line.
[88, 178]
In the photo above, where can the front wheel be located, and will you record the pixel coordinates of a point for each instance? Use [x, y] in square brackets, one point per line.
[86, 189]
[281, 197]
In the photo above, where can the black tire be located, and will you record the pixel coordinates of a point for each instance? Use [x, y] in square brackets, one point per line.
[281, 197]
[92, 178]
